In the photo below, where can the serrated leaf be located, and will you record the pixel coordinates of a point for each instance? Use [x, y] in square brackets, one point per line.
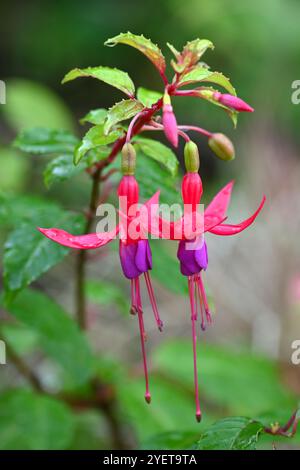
[148, 97]
[173, 50]
[159, 152]
[62, 168]
[144, 45]
[202, 74]
[94, 138]
[237, 433]
[45, 141]
[28, 254]
[29, 421]
[58, 335]
[121, 111]
[114, 77]
[95, 116]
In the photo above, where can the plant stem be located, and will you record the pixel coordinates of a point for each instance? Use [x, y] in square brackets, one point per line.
[80, 299]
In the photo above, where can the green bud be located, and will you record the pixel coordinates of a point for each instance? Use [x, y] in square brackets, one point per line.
[222, 146]
[128, 159]
[191, 157]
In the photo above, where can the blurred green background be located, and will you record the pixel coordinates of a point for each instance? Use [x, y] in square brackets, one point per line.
[245, 359]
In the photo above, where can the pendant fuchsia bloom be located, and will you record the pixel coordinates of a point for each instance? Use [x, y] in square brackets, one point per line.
[190, 229]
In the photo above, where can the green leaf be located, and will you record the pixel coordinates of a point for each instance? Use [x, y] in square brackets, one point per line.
[202, 74]
[172, 440]
[144, 45]
[159, 152]
[153, 177]
[94, 138]
[60, 169]
[238, 381]
[113, 77]
[28, 253]
[107, 294]
[121, 111]
[29, 421]
[30, 104]
[172, 408]
[201, 93]
[58, 335]
[22, 339]
[235, 433]
[95, 116]
[148, 97]
[45, 141]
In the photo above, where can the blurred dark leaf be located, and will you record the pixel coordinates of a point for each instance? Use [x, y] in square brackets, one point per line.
[90, 432]
[31, 104]
[172, 440]
[45, 141]
[158, 152]
[107, 294]
[121, 111]
[148, 97]
[21, 338]
[235, 433]
[58, 335]
[227, 377]
[33, 422]
[28, 253]
[114, 77]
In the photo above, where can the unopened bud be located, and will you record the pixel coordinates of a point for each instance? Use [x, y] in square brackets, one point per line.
[222, 146]
[128, 159]
[233, 102]
[191, 157]
[169, 121]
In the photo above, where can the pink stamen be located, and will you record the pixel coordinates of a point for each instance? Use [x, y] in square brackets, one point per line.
[153, 301]
[203, 327]
[204, 298]
[133, 308]
[142, 336]
[194, 336]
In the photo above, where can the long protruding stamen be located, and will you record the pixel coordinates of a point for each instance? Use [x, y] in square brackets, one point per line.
[203, 295]
[143, 337]
[203, 327]
[194, 336]
[153, 301]
[133, 307]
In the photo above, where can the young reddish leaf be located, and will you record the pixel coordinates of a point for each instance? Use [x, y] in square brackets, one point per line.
[121, 111]
[148, 97]
[144, 45]
[190, 55]
[113, 77]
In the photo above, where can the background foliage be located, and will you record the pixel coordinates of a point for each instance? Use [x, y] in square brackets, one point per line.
[247, 380]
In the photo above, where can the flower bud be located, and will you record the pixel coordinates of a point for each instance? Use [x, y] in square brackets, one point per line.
[232, 102]
[222, 146]
[128, 159]
[169, 121]
[191, 157]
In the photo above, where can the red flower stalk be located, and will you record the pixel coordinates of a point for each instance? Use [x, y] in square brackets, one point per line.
[134, 249]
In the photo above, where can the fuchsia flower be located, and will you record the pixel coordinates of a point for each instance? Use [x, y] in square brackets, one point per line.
[192, 249]
[135, 253]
